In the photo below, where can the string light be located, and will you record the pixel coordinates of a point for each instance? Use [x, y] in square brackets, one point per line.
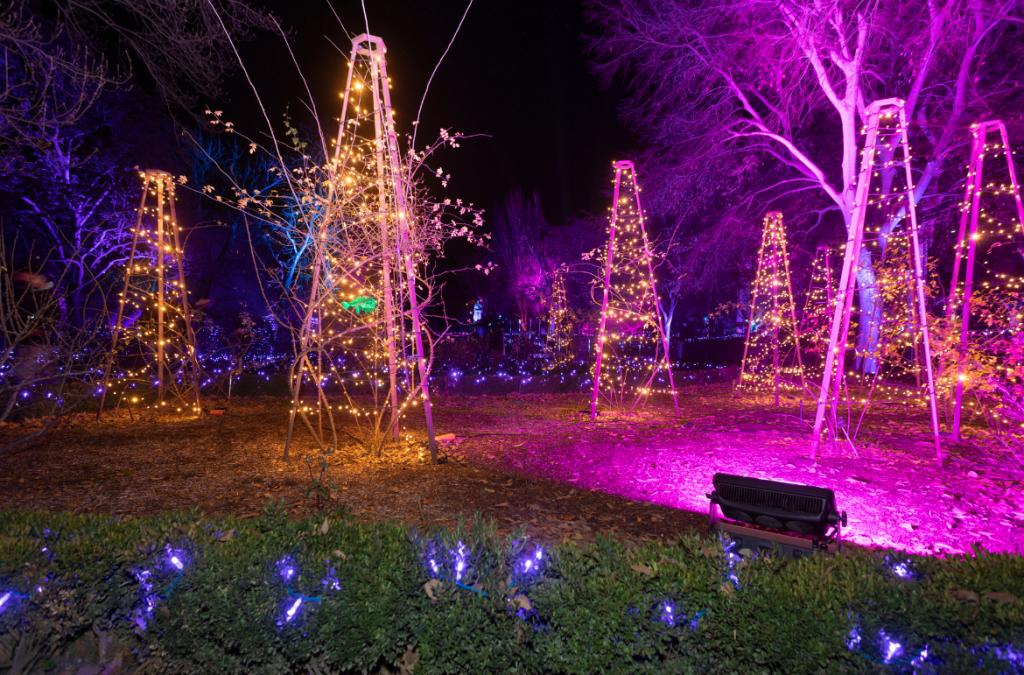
[631, 341]
[772, 335]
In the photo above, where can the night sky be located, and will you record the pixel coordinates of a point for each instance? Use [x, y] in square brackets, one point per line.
[517, 75]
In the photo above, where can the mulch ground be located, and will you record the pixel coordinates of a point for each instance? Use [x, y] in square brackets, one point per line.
[537, 461]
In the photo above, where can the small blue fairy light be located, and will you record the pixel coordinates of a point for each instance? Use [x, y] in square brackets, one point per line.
[290, 614]
[667, 615]
[890, 648]
[177, 563]
[460, 561]
[3, 600]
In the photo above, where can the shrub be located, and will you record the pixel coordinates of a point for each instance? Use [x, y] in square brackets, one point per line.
[330, 595]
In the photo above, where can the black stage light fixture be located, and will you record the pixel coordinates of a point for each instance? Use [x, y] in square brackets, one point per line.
[757, 514]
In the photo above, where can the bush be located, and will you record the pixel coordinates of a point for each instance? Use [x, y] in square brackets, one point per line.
[277, 596]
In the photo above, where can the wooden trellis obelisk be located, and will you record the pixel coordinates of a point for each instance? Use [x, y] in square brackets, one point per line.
[631, 297]
[886, 128]
[557, 345]
[970, 212]
[367, 76]
[814, 319]
[772, 280]
[165, 240]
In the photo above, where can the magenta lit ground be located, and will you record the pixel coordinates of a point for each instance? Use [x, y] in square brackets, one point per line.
[893, 491]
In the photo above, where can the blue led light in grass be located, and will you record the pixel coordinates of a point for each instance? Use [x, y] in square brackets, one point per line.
[667, 615]
[853, 639]
[890, 648]
[532, 563]
[290, 614]
[6, 598]
[459, 561]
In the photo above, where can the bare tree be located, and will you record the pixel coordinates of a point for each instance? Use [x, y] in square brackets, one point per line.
[790, 81]
[518, 225]
[46, 86]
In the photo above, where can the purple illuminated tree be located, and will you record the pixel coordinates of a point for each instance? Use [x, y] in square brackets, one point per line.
[788, 82]
[518, 225]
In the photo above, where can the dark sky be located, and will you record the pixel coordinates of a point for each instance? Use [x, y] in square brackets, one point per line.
[516, 73]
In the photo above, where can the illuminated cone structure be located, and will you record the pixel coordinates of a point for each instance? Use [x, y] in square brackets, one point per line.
[632, 346]
[367, 145]
[557, 347]
[154, 295]
[884, 195]
[985, 218]
[817, 311]
[772, 337]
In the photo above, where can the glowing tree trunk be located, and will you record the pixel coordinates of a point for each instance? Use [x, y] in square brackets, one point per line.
[970, 212]
[165, 240]
[396, 248]
[773, 287]
[630, 298]
[885, 202]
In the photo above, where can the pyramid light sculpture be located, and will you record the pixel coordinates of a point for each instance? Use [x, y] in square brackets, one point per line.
[367, 77]
[165, 241]
[629, 304]
[814, 319]
[773, 287]
[886, 128]
[557, 345]
[971, 211]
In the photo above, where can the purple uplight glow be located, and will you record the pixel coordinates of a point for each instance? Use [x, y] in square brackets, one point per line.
[290, 614]
[3, 600]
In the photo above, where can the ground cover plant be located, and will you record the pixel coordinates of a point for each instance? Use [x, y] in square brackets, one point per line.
[183, 593]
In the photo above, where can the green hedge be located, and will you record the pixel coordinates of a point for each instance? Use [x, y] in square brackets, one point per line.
[368, 600]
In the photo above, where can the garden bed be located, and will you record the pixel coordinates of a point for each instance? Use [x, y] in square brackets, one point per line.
[181, 593]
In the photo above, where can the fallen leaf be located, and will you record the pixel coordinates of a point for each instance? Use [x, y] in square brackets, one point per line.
[1006, 598]
[727, 588]
[642, 569]
[431, 588]
[339, 554]
[324, 527]
[972, 474]
[522, 602]
[227, 536]
[964, 595]
[502, 504]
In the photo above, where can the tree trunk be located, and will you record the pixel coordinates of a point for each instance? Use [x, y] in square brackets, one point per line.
[869, 330]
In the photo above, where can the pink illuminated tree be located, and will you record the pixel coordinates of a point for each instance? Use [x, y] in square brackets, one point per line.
[788, 82]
